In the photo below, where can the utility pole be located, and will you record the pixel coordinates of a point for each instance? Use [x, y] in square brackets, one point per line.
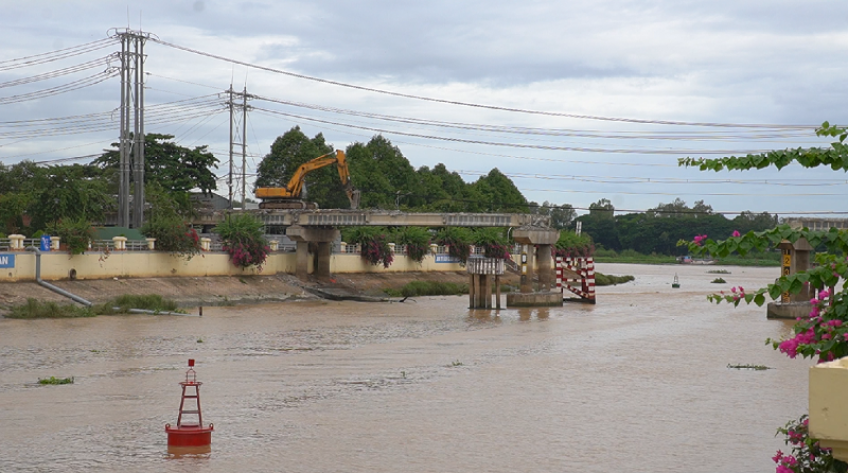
[238, 131]
[244, 150]
[230, 176]
[131, 143]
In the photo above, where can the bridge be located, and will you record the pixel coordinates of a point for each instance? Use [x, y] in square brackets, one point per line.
[381, 218]
[321, 227]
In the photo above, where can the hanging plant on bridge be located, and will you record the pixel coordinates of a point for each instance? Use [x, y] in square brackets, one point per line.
[823, 333]
[244, 240]
[571, 244]
[373, 243]
[457, 240]
[493, 241]
[416, 240]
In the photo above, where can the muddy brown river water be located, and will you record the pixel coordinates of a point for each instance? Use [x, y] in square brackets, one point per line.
[638, 382]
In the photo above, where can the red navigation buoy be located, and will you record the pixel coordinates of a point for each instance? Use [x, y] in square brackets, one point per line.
[190, 434]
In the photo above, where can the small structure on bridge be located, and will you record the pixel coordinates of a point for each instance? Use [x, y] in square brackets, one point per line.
[483, 271]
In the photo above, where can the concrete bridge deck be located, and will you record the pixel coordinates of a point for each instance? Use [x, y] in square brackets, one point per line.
[344, 218]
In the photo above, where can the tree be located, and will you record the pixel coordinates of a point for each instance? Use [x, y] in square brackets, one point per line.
[384, 176]
[499, 193]
[174, 167]
[822, 334]
[77, 192]
[602, 208]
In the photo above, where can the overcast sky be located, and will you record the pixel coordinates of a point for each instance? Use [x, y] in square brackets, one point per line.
[729, 62]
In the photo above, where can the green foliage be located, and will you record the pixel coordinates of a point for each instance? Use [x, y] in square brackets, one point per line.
[824, 333]
[749, 367]
[68, 192]
[374, 244]
[718, 281]
[76, 234]
[54, 381]
[173, 235]
[458, 241]
[154, 302]
[417, 241]
[493, 241]
[611, 280]
[499, 194]
[432, 288]
[244, 240]
[836, 156]
[572, 244]
[35, 309]
[175, 168]
[383, 174]
[561, 216]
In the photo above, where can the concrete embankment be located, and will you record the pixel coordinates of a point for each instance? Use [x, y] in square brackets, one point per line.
[227, 290]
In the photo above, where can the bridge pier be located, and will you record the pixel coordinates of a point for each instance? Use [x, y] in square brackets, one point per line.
[543, 239]
[324, 238]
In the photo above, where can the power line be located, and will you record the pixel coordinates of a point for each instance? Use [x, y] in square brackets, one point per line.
[51, 56]
[482, 106]
[519, 145]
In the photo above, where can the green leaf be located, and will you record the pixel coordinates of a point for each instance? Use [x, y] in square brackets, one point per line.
[759, 299]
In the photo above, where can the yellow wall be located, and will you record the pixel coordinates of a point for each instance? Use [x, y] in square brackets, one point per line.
[147, 264]
[828, 409]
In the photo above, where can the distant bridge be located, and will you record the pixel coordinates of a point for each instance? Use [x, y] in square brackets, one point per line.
[382, 218]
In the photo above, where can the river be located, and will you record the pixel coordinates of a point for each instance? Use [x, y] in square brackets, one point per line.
[638, 382]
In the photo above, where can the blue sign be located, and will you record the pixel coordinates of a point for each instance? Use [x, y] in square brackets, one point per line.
[447, 259]
[7, 261]
[45, 242]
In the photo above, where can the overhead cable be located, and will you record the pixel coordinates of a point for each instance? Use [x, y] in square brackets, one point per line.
[51, 56]
[481, 106]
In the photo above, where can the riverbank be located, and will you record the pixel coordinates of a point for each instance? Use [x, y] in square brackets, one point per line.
[229, 290]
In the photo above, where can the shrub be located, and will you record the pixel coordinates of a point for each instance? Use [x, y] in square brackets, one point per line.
[572, 244]
[244, 240]
[172, 235]
[374, 244]
[35, 309]
[417, 241]
[74, 233]
[457, 240]
[493, 241]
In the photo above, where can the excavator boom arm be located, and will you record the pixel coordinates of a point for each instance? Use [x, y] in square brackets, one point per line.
[295, 186]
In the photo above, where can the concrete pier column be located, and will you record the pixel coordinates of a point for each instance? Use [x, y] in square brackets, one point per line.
[302, 263]
[151, 243]
[526, 264]
[530, 237]
[324, 256]
[545, 273]
[323, 236]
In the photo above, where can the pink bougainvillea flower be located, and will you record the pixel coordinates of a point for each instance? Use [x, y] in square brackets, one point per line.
[699, 239]
[736, 233]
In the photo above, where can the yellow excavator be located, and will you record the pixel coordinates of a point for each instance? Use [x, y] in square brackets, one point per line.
[289, 197]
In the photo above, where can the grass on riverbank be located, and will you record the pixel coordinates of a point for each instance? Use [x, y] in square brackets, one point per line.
[611, 279]
[35, 309]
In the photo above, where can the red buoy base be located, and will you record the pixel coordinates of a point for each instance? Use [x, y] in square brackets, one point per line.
[189, 435]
